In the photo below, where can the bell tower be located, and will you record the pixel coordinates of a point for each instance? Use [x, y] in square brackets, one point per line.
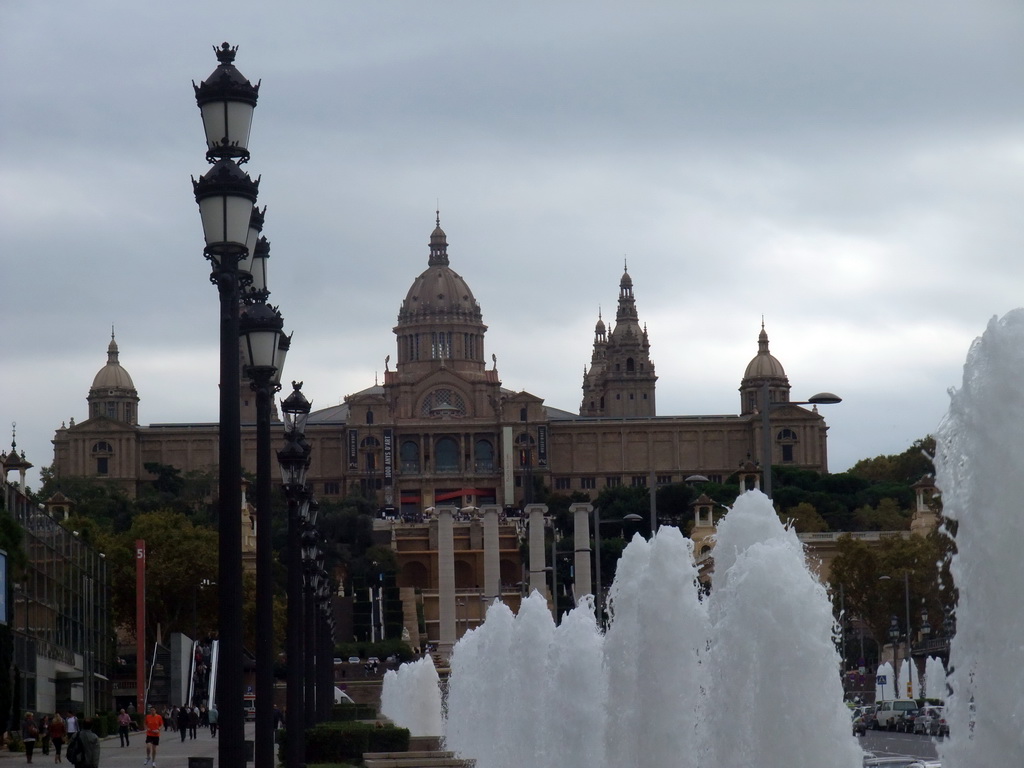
[621, 379]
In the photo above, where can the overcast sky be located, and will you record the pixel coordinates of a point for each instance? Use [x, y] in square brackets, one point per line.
[851, 172]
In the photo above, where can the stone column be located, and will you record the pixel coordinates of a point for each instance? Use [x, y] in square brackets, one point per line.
[492, 559]
[445, 580]
[535, 515]
[583, 584]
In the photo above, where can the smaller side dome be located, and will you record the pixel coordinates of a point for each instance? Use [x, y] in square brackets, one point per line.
[764, 364]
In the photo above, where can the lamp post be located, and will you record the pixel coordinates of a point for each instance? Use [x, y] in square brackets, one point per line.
[261, 329]
[822, 398]
[311, 582]
[294, 461]
[895, 624]
[325, 646]
[226, 196]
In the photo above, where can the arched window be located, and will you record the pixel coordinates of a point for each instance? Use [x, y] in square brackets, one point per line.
[369, 417]
[483, 454]
[630, 365]
[786, 438]
[102, 451]
[369, 446]
[409, 455]
[443, 402]
[446, 455]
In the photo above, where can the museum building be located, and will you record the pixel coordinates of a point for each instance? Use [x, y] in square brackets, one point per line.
[442, 429]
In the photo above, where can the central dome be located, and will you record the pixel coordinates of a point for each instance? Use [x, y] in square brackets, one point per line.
[112, 376]
[439, 292]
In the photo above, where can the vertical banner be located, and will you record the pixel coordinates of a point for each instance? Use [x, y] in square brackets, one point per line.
[389, 464]
[140, 625]
[508, 489]
[353, 449]
[4, 619]
[542, 446]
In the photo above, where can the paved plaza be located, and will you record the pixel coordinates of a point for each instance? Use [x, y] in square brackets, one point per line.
[172, 752]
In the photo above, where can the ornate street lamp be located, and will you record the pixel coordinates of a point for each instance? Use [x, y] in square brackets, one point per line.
[226, 196]
[294, 461]
[227, 100]
[261, 329]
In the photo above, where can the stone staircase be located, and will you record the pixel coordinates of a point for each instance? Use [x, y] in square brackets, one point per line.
[427, 759]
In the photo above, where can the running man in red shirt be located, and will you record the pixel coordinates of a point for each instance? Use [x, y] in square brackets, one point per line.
[154, 723]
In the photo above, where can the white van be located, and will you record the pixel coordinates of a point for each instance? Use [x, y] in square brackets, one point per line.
[887, 710]
[340, 697]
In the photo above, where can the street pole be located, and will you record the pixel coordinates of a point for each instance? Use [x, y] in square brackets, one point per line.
[226, 196]
[294, 461]
[766, 439]
[597, 567]
[906, 655]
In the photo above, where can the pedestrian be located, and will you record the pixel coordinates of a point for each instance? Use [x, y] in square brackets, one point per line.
[29, 734]
[183, 722]
[213, 716]
[44, 734]
[89, 746]
[193, 721]
[278, 717]
[57, 733]
[124, 725]
[71, 724]
[153, 725]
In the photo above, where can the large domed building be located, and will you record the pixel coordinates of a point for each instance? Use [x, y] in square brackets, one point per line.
[442, 429]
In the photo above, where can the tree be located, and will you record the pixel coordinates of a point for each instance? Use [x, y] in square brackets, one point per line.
[858, 572]
[905, 468]
[179, 558]
[804, 518]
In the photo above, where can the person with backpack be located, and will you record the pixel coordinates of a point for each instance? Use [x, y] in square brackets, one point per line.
[84, 748]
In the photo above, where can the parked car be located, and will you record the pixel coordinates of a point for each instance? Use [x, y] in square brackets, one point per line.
[340, 697]
[906, 719]
[888, 710]
[353, 659]
[932, 721]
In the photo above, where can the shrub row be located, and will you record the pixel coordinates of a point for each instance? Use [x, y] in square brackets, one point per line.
[347, 741]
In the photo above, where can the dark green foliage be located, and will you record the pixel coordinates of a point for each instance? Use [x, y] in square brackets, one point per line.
[905, 468]
[346, 712]
[348, 741]
[381, 649]
[858, 568]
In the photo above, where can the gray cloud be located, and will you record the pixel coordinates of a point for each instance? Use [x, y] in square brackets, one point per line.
[849, 173]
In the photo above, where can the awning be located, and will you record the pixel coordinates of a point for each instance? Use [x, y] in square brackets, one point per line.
[447, 495]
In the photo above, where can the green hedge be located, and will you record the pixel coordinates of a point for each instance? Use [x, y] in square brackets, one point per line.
[345, 712]
[340, 742]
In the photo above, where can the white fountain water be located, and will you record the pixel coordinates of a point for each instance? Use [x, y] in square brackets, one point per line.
[978, 469]
[411, 697]
[934, 679]
[909, 680]
[748, 677]
[886, 686]
[745, 678]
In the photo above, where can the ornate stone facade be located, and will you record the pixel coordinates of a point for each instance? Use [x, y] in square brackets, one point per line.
[442, 428]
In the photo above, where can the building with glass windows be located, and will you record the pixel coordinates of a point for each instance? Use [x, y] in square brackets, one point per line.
[58, 609]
